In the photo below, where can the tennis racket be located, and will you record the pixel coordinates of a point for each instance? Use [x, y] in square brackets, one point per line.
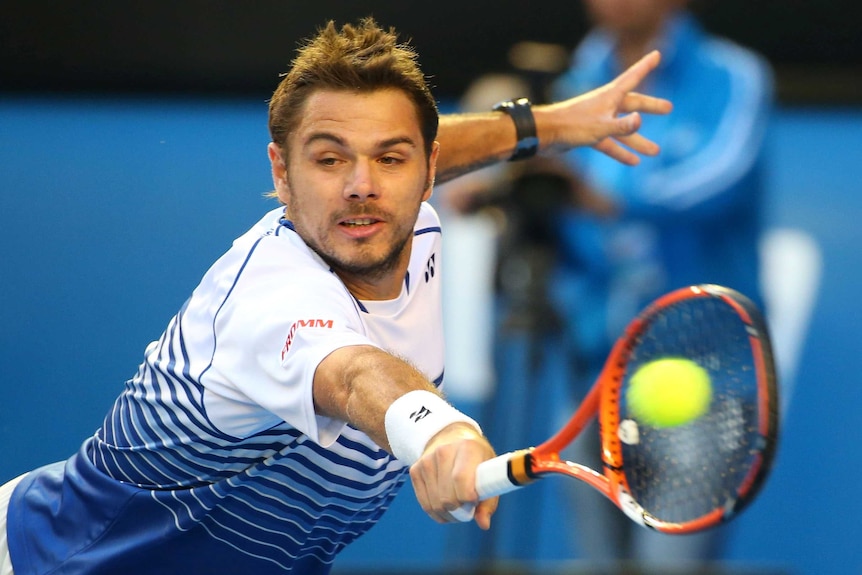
[677, 479]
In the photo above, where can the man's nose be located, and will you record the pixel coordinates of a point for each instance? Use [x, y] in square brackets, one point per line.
[360, 185]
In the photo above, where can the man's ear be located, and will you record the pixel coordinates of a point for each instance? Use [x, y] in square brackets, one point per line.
[279, 171]
[432, 171]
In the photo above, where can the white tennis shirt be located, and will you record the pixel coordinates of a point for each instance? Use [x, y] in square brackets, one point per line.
[213, 454]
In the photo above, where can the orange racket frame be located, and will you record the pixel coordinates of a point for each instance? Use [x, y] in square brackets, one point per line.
[517, 469]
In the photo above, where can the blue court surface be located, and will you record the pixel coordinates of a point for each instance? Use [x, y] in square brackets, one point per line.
[111, 210]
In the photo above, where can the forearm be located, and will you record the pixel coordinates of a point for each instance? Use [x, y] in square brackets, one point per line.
[607, 118]
[358, 384]
[469, 142]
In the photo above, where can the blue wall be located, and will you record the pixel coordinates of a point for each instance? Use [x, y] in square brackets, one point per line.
[110, 211]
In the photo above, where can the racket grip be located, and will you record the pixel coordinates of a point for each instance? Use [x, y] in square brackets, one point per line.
[492, 479]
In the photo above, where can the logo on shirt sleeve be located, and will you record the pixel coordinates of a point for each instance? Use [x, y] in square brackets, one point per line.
[429, 267]
[303, 323]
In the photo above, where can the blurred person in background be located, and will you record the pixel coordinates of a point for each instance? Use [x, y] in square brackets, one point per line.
[585, 243]
[691, 215]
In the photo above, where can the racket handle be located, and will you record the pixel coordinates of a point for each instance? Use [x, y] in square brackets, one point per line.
[493, 478]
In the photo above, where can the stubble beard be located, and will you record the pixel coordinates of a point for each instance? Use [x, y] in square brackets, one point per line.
[358, 260]
[364, 266]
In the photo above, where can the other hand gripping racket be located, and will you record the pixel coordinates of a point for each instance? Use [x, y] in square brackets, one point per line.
[678, 479]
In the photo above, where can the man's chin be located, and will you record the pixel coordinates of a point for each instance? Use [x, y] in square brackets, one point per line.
[362, 260]
[370, 267]
[368, 270]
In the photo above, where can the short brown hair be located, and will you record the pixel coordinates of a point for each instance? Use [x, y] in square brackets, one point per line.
[361, 58]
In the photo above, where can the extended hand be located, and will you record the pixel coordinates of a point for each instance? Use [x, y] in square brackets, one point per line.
[607, 118]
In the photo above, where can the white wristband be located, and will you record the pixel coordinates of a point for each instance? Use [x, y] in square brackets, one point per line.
[414, 418]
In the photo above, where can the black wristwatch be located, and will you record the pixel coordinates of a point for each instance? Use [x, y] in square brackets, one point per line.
[521, 113]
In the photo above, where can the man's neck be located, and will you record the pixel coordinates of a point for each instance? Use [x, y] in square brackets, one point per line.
[384, 284]
[367, 289]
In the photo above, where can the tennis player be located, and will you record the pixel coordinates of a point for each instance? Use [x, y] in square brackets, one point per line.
[276, 417]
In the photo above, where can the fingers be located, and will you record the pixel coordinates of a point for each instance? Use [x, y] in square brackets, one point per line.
[625, 131]
[637, 102]
[440, 485]
[638, 143]
[444, 479]
[484, 511]
[634, 75]
[610, 111]
[610, 148]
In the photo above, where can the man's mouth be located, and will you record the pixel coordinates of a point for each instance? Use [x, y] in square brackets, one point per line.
[356, 222]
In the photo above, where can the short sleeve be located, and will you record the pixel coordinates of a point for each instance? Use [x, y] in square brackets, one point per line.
[273, 330]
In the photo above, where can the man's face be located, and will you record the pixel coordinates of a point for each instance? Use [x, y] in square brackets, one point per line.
[355, 177]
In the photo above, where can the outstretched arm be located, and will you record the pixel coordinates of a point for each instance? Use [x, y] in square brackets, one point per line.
[607, 118]
[360, 384]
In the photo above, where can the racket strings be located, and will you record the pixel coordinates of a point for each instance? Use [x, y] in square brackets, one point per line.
[678, 474]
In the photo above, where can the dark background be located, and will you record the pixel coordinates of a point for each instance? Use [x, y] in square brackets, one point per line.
[240, 47]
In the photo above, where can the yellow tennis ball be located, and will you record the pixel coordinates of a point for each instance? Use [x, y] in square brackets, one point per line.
[669, 392]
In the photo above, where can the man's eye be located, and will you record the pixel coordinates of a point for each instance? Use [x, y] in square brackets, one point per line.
[328, 161]
[390, 160]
